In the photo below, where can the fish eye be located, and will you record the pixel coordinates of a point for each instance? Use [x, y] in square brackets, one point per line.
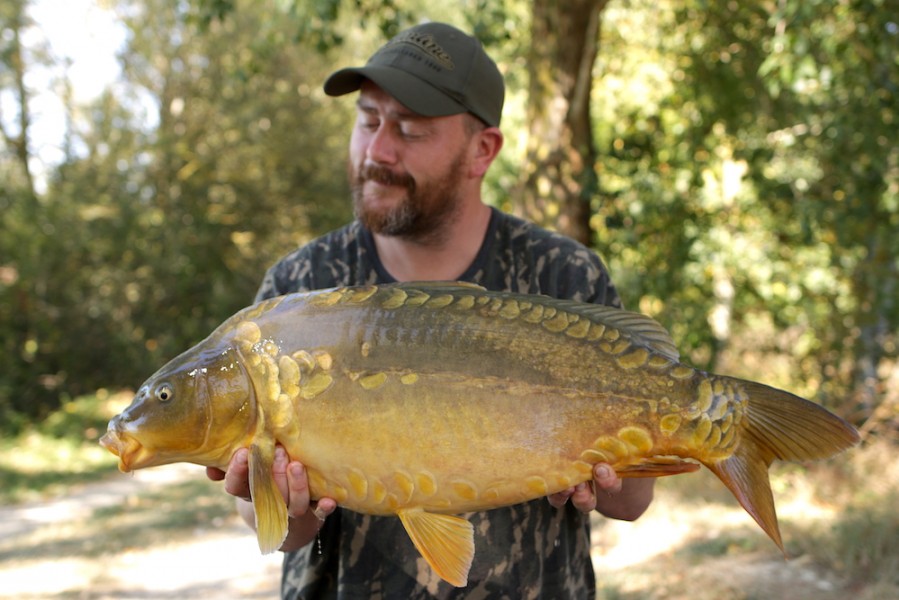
[164, 393]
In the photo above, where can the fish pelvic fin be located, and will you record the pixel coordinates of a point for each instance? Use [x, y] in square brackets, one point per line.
[444, 541]
[268, 504]
[777, 425]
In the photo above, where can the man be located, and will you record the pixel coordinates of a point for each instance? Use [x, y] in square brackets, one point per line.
[426, 132]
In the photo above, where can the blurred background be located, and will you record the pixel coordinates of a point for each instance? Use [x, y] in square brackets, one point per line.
[734, 163]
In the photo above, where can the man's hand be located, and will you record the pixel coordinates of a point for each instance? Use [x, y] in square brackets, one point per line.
[611, 497]
[290, 477]
[237, 477]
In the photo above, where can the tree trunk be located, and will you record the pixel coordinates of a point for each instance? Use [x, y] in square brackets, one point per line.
[875, 285]
[15, 62]
[560, 177]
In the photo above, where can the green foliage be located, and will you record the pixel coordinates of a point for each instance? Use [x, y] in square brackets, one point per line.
[146, 240]
[209, 11]
[748, 184]
[749, 178]
[48, 457]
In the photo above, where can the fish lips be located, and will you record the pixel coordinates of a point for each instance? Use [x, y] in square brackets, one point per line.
[131, 453]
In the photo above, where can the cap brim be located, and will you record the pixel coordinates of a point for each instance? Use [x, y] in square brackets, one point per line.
[418, 96]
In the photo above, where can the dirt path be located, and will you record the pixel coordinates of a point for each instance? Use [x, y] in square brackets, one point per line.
[122, 539]
[41, 551]
[646, 560]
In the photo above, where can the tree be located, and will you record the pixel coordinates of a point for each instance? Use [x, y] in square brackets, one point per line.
[24, 224]
[559, 180]
[15, 132]
[177, 213]
[749, 184]
[733, 162]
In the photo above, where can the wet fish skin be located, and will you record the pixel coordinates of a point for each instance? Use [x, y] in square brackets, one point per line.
[427, 400]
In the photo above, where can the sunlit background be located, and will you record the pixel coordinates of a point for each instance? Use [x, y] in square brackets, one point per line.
[82, 40]
[739, 174]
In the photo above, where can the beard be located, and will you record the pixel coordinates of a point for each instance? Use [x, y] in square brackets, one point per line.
[421, 214]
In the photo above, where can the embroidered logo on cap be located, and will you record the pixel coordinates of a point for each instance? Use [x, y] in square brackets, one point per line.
[426, 43]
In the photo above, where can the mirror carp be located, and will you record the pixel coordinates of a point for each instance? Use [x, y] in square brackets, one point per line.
[427, 400]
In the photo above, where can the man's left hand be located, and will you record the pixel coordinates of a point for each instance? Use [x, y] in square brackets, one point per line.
[582, 495]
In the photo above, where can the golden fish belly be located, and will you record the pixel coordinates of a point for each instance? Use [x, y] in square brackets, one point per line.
[443, 444]
[381, 442]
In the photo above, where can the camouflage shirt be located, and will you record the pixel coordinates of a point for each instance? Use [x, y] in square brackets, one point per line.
[529, 550]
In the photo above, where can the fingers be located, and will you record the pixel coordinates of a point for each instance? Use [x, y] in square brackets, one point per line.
[214, 474]
[559, 499]
[606, 479]
[237, 477]
[297, 490]
[582, 496]
[298, 499]
[324, 507]
[290, 479]
[279, 471]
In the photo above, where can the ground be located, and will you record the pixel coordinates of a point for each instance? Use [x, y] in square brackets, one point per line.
[50, 549]
[167, 533]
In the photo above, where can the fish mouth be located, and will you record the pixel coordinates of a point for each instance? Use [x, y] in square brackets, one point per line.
[131, 452]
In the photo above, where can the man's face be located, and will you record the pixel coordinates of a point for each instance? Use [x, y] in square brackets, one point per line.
[406, 171]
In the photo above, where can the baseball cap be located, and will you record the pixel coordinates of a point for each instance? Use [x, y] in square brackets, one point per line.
[434, 70]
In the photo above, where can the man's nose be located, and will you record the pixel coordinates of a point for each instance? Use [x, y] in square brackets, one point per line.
[382, 147]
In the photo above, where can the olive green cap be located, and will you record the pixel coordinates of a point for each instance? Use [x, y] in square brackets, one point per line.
[434, 70]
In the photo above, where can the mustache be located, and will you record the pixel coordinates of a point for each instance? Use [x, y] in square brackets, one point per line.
[385, 176]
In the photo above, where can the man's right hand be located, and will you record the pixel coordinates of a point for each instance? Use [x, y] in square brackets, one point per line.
[306, 517]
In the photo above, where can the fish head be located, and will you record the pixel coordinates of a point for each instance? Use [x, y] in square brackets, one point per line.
[198, 408]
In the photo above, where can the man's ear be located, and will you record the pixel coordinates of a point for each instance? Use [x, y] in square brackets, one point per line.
[486, 145]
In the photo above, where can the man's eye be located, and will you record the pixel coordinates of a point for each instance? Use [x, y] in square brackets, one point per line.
[411, 132]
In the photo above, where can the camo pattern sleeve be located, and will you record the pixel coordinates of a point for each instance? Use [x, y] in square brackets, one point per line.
[342, 257]
[518, 256]
[529, 550]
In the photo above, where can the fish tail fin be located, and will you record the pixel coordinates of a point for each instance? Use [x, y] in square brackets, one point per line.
[745, 473]
[777, 425]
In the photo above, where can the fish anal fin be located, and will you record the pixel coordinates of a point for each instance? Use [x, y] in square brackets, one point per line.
[268, 503]
[657, 467]
[444, 541]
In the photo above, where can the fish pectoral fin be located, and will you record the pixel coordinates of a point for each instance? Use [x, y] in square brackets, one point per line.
[658, 466]
[268, 504]
[446, 542]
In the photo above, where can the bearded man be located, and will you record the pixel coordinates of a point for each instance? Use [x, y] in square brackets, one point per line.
[426, 132]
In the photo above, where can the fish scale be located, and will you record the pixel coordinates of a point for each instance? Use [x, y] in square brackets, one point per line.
[426, 400]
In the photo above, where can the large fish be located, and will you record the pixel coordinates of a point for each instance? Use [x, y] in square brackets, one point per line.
[429, 400]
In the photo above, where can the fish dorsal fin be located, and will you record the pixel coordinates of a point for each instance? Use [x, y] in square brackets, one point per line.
[438, 286]
[639, 328]
[444, 541]
[268, 504]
